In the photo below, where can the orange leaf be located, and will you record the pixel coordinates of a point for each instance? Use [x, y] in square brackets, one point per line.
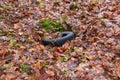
[3, 51]
[41, 47]
[50, 73]
[117, 67]
[39, 64]
[59, 49]
[65, 46]
[22, 47]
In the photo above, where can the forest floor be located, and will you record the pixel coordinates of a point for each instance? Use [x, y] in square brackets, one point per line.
[94, 54]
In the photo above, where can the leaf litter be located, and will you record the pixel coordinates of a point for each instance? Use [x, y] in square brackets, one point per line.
[94, 54]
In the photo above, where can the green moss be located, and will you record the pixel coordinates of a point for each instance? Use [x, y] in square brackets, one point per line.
[102, 22]
[13, 42]
[56, 4]
[7, 6]
[73, 6]
[4, 32]
[17, 45]
[24, 67]
[76, 48]
[69, 51]
[41, 4]
[6, 65]
[50, 24]
[65, 58]
[64, 17]
[29, 40]
[47, 65]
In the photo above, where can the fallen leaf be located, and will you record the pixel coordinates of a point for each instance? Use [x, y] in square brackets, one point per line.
[39, 64]
[3, 51]
[22, 47]
[62, 48]
[50, 73]
[41, 47]
[117, 67]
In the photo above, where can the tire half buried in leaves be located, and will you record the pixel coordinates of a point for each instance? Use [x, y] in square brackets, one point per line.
[66, 36]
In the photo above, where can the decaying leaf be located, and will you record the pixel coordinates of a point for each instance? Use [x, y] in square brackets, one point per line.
[92, 55]
[41, 47]
[3, 51]
[62, 48]
[50, 73]
[39, 64]
[117, 68]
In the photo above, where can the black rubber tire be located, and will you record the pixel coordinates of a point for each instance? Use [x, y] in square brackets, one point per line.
[66, 36]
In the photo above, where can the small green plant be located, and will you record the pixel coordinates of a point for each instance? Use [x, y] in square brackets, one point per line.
[56, 4]
[47, 65]
[13, 42]
[73, 6]
[102, 22]
[68, 50]
[65, 58]
[63, 17]
[48, 24]
[41, 4]
[4, 32]
[76, 48]
[84, 57]
[24, 67]
[29, 40]
[6, 65]
[7, 6]
[1, 19]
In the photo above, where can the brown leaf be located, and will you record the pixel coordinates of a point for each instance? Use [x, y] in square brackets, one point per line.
[78, 68]
[39, 64]
[58, 49]
[105, 15]
[41, 47]
[117, 67]
[63, 48]
[18, 25]
[22, 47]
[3, 51]
[10, 76]
[14, 21]
[32, 49]
[50, 73]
